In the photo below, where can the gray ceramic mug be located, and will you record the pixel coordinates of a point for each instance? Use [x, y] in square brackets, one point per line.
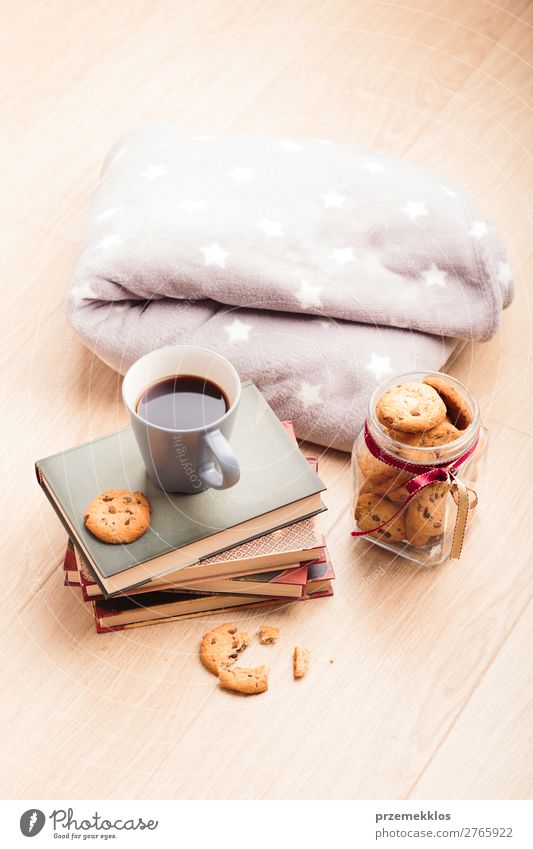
[189, 460]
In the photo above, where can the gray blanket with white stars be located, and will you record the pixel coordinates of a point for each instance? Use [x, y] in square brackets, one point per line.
[318, 269]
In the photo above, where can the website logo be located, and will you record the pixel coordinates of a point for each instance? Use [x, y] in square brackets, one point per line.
[32, 822]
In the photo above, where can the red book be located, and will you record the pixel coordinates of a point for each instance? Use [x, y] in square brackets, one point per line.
[70, 567]
[318, 575]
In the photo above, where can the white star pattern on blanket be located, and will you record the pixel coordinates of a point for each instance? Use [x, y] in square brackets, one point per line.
[434, 276]
[352, 258]
[414, 209]
[379, 366]
[309, 295]
[373, 167]
[478, 229]
[309, 394]
[238, 331]
[270, 228]
[193, 205]
[215, 255]
[333, 200]
[154, 172]
[504, 273]
[107, 213]
[342, 255]
[241, 174]
[109, 241]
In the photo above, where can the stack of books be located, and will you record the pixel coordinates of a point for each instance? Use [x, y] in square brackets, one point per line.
[253, 544]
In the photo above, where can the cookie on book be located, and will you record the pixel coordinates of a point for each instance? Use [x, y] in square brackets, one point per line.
[268, 635]
[118, 516]
[300, 662]
[245, 681]
[411, 406]
[220, 647]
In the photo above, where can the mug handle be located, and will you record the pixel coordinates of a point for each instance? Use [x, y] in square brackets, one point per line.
[229, 473]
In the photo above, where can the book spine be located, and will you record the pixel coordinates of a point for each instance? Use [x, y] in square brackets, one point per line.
[70, 568]
[61, 518]
[312, 596]
[101, 629]
[44, 488]
[71, 582]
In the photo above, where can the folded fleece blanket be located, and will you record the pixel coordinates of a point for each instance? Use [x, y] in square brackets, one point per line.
[318, 269]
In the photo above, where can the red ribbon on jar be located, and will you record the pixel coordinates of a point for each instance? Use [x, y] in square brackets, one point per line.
[425, 475]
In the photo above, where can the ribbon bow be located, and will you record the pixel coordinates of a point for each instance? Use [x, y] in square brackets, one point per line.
[425, 475]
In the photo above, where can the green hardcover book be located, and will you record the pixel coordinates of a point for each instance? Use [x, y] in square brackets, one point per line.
[277, 488]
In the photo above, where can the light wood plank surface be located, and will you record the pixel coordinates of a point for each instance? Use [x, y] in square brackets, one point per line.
[429, 694]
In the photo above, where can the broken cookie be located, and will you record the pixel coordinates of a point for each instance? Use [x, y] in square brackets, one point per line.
[220, 647]
[300, 662]
[246, 681]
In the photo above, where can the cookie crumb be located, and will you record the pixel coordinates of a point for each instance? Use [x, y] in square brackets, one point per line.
[300, 662]
[268, 635]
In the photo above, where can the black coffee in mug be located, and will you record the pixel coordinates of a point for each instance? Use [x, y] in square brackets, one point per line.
[182, 402]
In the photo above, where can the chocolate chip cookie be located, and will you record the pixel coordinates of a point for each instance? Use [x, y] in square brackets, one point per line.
[372, 510]
[398, 495]
[424, 522]
[440, 435]
[398, 479]
[220, 647]
[246, 681]
[118, 516]
[456, 406]
[412, 407]
[373, 470]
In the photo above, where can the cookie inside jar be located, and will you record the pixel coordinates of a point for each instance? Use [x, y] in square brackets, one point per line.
[425, 420]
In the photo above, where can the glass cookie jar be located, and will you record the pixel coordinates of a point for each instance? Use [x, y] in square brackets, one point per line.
[416, 493]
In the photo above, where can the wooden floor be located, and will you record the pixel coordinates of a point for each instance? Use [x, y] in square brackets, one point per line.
[429, 695]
